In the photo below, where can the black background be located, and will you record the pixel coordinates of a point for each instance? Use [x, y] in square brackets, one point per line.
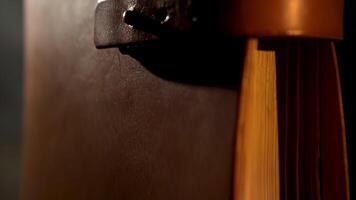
[347, 61]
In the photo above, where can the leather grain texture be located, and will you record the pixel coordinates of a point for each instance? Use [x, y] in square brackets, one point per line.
[98, 125]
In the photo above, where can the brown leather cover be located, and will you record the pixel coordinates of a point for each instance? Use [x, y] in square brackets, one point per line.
[98, 125]
[282, 18]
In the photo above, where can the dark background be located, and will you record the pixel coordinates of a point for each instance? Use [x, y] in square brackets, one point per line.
[11, 61]
[347, 62]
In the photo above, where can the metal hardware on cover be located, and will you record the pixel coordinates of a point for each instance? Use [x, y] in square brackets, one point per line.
[146, 24]
[122, 22]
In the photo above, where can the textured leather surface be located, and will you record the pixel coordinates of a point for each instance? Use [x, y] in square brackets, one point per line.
[98, 125]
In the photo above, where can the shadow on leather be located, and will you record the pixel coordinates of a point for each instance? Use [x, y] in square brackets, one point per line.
[196, 62]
